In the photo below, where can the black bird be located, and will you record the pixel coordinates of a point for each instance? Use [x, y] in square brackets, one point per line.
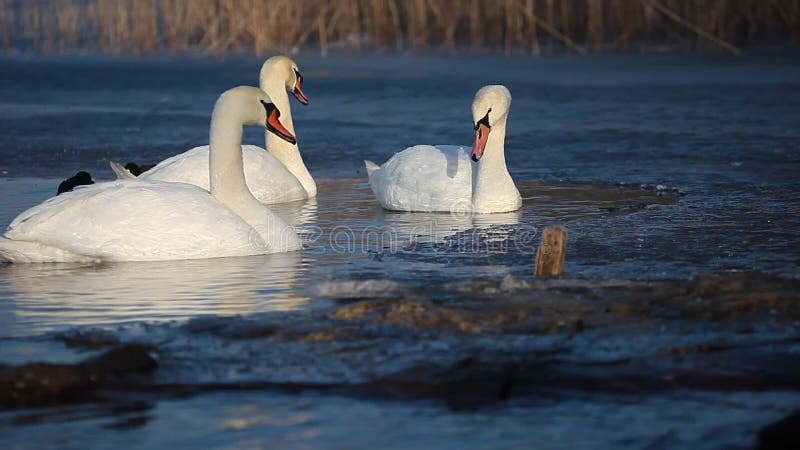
[136, 169]
[81, 178]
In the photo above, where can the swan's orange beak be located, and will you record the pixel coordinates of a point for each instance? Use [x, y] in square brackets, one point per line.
[275, 126]
[300, 95]
[481, 136]
[298, 90]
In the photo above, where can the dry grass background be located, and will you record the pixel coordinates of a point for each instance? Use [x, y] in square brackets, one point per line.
[512, 26]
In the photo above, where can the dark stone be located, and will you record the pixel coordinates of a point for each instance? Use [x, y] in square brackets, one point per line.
[37, 384]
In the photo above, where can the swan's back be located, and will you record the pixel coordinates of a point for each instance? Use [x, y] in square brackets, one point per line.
[267, 178]
[133, 220]
[424, 178]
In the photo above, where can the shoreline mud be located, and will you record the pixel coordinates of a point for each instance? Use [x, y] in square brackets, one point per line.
[734, 357]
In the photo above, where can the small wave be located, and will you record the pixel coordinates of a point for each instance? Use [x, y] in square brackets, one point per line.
[355, 289]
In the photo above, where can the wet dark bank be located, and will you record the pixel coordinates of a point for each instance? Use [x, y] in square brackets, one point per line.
[560, 307]
[474, 347]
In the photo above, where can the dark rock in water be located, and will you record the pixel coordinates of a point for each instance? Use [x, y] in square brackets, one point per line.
[137, 170]
[468, 384]
[37, 384]
[121, 361]
[783, 434]
[79, 179]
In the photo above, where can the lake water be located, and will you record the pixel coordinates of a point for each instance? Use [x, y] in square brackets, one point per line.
[661, 166]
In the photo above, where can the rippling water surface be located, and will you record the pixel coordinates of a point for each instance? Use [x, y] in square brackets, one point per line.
[347, 236]
[660, 166]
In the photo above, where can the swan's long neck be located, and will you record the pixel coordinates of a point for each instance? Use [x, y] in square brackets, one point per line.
[492, 185]
[228, 186]
[226, 168]
[283, 151]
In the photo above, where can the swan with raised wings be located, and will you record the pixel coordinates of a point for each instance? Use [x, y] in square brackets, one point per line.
[442, 178]
[277, 175]
[143, 220]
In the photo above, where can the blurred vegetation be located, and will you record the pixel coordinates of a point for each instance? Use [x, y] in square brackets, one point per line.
[512, 26]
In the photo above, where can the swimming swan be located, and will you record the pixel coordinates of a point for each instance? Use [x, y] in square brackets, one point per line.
[442, 178]
[277, 175]
[143, 220]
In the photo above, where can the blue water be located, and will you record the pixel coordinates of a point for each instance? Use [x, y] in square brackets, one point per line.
[723, 130]
[661, 166]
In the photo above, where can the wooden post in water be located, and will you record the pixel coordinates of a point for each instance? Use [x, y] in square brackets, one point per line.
[552, 251]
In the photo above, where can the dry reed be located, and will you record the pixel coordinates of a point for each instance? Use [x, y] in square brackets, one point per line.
[512, 26]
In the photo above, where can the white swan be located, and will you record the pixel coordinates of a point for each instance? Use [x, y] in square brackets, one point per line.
[277, 175]
[442, 178]
[141, 220]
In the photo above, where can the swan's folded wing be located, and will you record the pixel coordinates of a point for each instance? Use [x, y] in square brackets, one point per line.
[27, 220]
[425, 178]
[190, 167]
[267, 178]
[132, 220]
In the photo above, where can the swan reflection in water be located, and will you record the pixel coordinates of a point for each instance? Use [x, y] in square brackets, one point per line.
[57, 295]
[462, 232]
[357, 224]
[301, 214]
